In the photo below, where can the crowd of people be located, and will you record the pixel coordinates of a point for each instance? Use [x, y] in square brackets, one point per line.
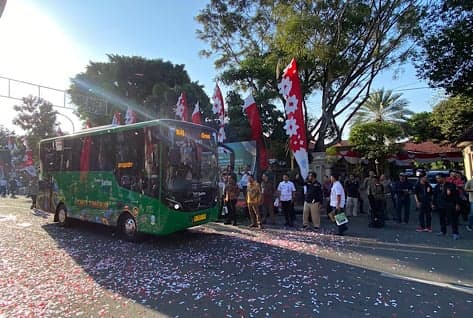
[380, 198]
[12, 188]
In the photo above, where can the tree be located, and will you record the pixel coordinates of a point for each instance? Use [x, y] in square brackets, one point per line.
[446, 54]
[383, 106]
[150, 87]
[420, 128]
[238, 127]
[453, 116]
[376, 140]
[37, 119]
[340, 47]
[5, 133]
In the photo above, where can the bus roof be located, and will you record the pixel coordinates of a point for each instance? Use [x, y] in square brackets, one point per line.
[116, 128]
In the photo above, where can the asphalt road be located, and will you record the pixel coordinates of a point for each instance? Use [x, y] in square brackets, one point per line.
[220, 270]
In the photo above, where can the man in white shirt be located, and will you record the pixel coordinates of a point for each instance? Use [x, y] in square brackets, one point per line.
[286, 193]
[337, 199]
[243, 184]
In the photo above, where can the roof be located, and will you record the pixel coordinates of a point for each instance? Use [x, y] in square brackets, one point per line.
[429, 147]
[114, 128]
[467, 136]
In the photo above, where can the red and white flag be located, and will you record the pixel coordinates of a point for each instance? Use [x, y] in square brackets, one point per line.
[196, 119]
[117, 119]
[28, 163]
[219, 110]
[290, 88]
[256, 129]
[181, 107]
[130, 116]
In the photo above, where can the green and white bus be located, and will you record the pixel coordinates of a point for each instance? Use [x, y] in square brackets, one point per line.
[156, 177]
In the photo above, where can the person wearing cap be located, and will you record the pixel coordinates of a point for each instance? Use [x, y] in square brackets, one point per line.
[445, 203]
[403, 199]
[423, 196]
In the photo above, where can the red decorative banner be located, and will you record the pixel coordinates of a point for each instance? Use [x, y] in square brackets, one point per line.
[117, 119]
[196, 119]
[219, 110]
[256, 129]
[130, 116]
[290, 88]
[181, 107]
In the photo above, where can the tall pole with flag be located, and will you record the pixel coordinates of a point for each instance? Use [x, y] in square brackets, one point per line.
[290, 88]
[256, 129]
[219, 110]
[116, 120]
[196, 118]
[130, 116]
[181, 107]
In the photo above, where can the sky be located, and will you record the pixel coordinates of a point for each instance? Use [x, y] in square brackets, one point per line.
[47, 42]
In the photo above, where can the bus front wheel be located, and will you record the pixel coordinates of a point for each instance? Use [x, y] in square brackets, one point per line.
[61, 215]
[127, 227]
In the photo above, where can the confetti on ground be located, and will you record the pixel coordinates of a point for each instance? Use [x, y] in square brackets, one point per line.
[209, 271]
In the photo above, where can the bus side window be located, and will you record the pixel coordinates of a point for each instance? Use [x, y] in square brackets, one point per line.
[75, 160]
[104, 151]
[130, 159]
[49, 157]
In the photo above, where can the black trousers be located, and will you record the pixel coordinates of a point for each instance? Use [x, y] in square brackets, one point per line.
[450, 215]
[425, 216]
[33, 201]
[288, 210]
[341, 228]
[232, 217]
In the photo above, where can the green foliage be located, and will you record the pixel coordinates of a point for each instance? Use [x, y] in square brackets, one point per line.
[446, 54]
[238, 128]
[37, 118]
[150, 87]
[272, 120]
[340, 47]
[375, 140]
[420, 128]
[453, 116]
[331, 151]
[383, 106]
[4, 134]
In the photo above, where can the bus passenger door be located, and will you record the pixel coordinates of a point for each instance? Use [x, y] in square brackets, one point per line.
[45, 194]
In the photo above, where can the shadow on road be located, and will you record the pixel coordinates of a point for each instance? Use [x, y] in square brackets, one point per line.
[217, 270]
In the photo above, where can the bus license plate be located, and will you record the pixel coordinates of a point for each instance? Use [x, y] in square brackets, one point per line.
[200, 217]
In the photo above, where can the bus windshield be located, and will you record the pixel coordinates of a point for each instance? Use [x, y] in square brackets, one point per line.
[189, 165]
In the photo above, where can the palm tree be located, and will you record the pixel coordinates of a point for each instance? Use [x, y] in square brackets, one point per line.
[383, 106]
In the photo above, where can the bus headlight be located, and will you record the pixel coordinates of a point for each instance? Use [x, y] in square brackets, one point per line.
[173, 204]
